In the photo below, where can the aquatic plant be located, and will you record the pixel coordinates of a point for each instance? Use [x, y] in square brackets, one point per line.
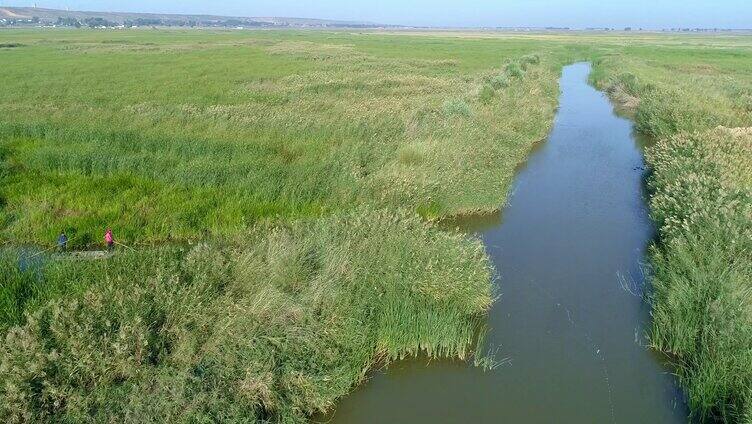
[274, 325]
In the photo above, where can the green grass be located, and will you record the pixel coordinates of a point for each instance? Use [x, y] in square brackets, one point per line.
[274, 325]
[304, 163]
[222, 130]
[703, 298]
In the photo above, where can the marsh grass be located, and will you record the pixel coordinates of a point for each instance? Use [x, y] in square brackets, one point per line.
[255, 126]
[272, 326]
[299, 162]
[703, 299]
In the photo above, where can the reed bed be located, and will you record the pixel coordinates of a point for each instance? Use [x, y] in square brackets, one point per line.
[274, 325]
[263, 126]
[303, 168]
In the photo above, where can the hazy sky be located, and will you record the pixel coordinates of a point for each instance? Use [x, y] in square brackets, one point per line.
[571, 13]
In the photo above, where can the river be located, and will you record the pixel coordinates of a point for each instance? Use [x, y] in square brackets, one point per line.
[570, 324]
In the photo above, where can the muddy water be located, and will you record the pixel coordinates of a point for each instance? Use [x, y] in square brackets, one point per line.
[569, 249]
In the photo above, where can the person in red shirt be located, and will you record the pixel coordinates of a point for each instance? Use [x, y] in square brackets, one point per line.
[109, 240]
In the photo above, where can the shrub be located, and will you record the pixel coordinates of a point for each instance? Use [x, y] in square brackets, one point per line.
[500, 81]
[514, 70]
[532, 59]
[486, 94]
[527, 60]
[456, 107]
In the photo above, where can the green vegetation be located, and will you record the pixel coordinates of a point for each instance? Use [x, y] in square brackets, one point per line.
[308, 168]
[177, 136]
[698, 104]
[274, 327]
[280, 189]
[703, 298]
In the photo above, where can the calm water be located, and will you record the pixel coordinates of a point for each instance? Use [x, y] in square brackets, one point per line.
[573, 236]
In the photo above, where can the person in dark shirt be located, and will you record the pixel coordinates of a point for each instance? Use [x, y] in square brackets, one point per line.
[62, 242]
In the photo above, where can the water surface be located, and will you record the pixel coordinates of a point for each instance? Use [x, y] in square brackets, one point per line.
[569, 249]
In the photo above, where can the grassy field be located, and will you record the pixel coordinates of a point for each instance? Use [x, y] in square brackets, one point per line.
[309, 164]
[281, 189]
[176, 136]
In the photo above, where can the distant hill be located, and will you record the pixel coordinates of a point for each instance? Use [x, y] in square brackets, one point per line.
[39, 16]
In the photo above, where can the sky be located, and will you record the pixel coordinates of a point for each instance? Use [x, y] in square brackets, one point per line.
[653, 14]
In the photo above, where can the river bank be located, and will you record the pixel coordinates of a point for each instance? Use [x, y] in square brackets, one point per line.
[569, 324]
[701, 200]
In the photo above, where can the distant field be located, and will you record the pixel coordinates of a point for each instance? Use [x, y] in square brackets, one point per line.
[70, 18]
[295, 178]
